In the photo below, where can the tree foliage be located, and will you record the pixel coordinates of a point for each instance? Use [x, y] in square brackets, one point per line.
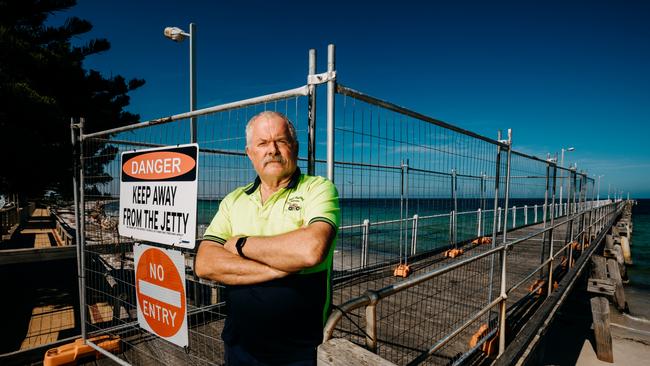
[42, 85]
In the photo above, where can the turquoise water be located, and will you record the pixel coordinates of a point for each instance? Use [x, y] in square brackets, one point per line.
[639, 273]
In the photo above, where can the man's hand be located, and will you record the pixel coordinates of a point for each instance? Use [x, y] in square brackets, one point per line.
[289, 252]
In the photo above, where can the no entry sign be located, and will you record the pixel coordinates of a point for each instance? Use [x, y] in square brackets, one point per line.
[158, 195]
[160, 291]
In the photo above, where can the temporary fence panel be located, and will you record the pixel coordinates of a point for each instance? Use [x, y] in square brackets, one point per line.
[110, 302]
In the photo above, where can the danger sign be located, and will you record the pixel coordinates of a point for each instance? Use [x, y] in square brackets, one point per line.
[160, 291]
[158, 190]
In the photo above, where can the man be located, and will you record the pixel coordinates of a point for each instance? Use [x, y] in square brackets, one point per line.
[271, 243]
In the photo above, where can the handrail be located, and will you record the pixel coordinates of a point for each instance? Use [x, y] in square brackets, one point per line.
[425, 217]
[296, 92]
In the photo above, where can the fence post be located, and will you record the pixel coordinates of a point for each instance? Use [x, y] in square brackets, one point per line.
[331, 90]
[569, 212]
[514, 216]
[479, 218]
[414, 235]
[541, 259]
[311, 115]
[497, 178]
[451, 228]
[483, 202]
[371, 322]
[78, 188]
[454, 187]
[499, 226]
[504, 295]
[525, 214]
[583, 222]
[550, 232]
[406, 193]
[364, 243]
[592, 212]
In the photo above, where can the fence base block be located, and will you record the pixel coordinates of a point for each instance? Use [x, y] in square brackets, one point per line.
[453, 253]
[74, 352]
[403, 270]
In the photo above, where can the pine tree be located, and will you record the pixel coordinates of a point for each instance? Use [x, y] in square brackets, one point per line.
[42, 85]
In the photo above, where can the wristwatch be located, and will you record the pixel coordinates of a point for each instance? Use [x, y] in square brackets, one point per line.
[240, 245]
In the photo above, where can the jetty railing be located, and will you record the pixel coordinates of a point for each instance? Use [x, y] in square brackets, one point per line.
[412, 188]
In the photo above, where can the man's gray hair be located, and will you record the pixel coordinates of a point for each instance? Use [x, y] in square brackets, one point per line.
[269, 114]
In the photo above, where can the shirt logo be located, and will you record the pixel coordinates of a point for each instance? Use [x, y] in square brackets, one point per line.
[295, 203]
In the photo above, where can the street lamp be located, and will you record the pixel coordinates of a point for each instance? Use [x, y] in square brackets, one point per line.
[569, 149]
[178, 35]
[598, 194]
[609, 188]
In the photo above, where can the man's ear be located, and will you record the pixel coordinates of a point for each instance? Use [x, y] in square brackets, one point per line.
[248, 153]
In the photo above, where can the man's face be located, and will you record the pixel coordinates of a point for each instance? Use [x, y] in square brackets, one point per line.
[271, 149]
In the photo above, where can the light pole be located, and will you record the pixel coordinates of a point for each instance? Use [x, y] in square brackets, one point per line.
[598, 194]
[609, 189]
[562, 165]
[178, 35]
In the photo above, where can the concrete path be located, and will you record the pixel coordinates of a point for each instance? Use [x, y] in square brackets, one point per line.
[50, 314]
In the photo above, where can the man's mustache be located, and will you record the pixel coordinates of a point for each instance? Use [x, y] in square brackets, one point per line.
[274, 158]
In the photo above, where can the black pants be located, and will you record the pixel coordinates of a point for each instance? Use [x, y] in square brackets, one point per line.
[235, 355]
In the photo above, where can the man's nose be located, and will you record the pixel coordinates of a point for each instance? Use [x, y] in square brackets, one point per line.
[273, 148]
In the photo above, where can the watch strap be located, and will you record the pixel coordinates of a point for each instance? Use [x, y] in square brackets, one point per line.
[240, 245]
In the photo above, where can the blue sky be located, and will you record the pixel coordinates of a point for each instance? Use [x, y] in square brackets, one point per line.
[559, 73]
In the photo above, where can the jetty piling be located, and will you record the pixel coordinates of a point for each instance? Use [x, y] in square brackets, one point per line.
[606, 282]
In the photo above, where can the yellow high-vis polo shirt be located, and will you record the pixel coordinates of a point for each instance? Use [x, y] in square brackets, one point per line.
[288, 313]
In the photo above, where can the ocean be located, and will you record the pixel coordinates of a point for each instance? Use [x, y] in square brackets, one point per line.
[638, 290]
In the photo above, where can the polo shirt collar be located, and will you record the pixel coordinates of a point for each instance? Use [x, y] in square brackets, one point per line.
[293, 183]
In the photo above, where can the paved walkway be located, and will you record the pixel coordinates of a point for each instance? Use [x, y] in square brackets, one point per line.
[51, 312]
[40, 225]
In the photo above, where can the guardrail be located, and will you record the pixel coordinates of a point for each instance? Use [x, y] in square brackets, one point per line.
[528, 215]
[63, 229]
[9, 216]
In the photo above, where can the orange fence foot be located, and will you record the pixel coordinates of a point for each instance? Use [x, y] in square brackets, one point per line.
[564, 262]
[403, 270]
[453, 253]
[490, 345]
[71, 353]
[482, 240]
[575, 245]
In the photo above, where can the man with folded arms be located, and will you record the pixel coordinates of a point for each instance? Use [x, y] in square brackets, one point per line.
[271, 243]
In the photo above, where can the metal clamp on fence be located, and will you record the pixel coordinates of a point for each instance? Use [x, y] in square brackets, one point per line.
[321, 78]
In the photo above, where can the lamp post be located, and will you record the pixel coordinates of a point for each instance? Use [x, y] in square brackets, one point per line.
[609, 189]
[178, 35]
[598, 194]
[562, 165]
